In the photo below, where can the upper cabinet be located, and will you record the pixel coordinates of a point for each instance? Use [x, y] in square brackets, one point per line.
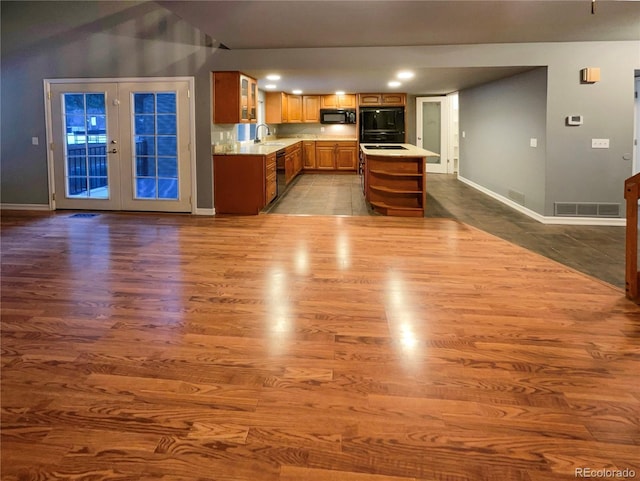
[311, 108]
[382, 99]
[234, 98]
[276, 108]
[295, 108]
[333, 101]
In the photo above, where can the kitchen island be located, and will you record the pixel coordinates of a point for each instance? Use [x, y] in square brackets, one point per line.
[395, 178]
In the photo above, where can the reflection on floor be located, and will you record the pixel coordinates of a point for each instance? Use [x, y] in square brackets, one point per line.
[594, 250]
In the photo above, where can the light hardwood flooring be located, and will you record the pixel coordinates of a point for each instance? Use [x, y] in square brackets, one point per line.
[306, 348]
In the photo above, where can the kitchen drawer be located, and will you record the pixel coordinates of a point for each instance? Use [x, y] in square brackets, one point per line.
[271, 168]
[271, 188]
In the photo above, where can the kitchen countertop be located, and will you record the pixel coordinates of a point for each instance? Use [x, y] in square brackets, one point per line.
[408, 151]
[273, 145]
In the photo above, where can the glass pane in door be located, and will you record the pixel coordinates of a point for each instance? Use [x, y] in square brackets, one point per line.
[156, 134]
[431, 129]
[85, 145]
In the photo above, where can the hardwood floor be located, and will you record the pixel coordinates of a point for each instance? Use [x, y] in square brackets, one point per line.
[306, 348]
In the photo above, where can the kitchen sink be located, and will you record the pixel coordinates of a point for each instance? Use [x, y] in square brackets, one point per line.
[385, 147]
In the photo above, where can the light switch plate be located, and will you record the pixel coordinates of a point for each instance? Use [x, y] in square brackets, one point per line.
[533, 142]
[35, 141]
[599, 143]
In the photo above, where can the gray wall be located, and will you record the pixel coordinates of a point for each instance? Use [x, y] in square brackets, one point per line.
[130, 39]
[499, 119]
[89, 39]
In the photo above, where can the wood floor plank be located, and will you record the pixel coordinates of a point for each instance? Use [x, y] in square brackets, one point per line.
[307, 348]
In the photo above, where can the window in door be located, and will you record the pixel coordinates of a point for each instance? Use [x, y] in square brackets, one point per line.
[85, 145]
[156, 141]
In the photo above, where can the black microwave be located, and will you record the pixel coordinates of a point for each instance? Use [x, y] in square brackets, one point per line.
[337, 116]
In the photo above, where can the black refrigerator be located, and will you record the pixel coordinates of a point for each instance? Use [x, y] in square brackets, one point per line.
[382, 124]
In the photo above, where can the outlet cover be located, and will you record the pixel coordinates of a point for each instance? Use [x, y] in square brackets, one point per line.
[599, 143]
[533, 142]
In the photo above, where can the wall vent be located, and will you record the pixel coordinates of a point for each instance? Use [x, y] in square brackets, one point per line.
[516, 196]
[586, 209]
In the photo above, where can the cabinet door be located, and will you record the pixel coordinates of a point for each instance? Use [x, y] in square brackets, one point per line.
[294, 108]
[370, 99]
[347, 101]
[325, 155]
[253, 100]
[309, 154]
[288, 168]
[244, 98]
[311, 108]
[393, 99]
[329, 101]
[346, 156]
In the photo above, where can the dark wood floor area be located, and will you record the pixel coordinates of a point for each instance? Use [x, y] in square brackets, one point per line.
[306, 348]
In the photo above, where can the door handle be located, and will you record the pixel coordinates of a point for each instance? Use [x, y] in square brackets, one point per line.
[112, 151]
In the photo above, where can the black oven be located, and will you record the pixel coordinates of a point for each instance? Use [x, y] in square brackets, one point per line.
[337, 116]
[382, 124]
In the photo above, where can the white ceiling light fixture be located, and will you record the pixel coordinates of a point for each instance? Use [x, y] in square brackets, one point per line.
[340, 92]
[405, 75]
[297, 92]
[273, 77]
[394, 83]
[270, 86]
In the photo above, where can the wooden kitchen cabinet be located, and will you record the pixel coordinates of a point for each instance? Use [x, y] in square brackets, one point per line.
[311, 108]
[276, 108]
[292, 161]
[294, 105]
[333, 101]
[309, 154]
[243, 184]
[336, 155]
[388, 99]
[234, 96]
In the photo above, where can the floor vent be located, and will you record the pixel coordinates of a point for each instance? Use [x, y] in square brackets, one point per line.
[84, 215]
[586, 209]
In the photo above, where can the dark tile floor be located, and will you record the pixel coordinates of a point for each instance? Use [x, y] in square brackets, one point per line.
[595, 250]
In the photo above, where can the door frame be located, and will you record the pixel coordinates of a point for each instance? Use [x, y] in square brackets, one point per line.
[445, 128]
[142, 80]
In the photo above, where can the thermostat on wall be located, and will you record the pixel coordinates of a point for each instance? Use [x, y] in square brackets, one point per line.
[574, 120]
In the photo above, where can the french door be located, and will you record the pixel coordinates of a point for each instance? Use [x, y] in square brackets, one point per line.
[121, 145]
[432, 124]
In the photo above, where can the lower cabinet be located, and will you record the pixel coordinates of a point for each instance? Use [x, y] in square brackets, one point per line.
[309, 154]
[243, 184]
[292, 161]
[336, 155]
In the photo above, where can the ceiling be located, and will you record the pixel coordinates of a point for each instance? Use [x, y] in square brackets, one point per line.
[241, 25]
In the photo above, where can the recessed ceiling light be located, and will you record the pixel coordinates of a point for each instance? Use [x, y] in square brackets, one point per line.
[340, 92]
[270, 86]
[273, 77]
[297, 92]
[405, 74]
[394, 83]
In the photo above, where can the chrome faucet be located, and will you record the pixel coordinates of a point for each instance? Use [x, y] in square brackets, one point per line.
[257, 139]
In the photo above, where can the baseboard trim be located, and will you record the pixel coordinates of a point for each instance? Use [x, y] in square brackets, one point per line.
[200, 211]
[25, 207]
[551, 220]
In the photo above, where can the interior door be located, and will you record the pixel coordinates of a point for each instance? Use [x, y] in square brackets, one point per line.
[122, 145]
[86, 160]
[432, 131]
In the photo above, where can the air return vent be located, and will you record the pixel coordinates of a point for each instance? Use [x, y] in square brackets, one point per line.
[586, 209]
